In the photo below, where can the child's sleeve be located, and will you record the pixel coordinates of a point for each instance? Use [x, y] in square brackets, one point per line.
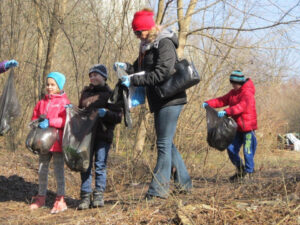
[36, 111]
[219, 102]
[2, 66]
[113, 114]
[240, 107]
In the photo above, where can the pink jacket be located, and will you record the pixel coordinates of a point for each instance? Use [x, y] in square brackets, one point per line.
[241, 106]
[52, 106]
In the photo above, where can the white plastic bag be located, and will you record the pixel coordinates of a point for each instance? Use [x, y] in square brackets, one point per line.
[295, 141]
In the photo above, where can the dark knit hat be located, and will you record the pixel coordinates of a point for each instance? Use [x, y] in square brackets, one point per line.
[100, 69]
[143, 20]
[237, 77]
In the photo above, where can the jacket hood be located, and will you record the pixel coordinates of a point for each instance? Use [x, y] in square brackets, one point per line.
[165, 33]
[248, 86]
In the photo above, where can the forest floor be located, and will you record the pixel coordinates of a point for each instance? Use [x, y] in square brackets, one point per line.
[272, 197]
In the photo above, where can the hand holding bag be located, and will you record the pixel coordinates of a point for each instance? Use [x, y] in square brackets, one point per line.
[39, 141]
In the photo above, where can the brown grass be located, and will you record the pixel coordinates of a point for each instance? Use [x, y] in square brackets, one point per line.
[272, 198]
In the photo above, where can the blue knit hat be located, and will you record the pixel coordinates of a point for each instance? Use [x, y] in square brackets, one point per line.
[100, 69]
[59, 78]
[237, 77]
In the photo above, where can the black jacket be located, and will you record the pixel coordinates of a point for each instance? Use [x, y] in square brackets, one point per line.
[158, 62]
[95, 97]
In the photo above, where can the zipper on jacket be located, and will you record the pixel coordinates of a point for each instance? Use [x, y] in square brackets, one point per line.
[47, 108]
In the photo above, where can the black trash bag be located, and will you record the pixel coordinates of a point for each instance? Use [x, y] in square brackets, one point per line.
[120, 96]
[39, 141]
[220, 131]
[9, 104]
[77, 138]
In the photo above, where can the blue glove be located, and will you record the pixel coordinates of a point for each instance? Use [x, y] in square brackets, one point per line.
[125, 81]
[204, 104]
[68, 106]
[221, 113]
[102, 112]
[44, 124]
[10, 64]
[121, 65]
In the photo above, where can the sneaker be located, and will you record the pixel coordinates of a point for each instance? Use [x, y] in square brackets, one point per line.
[149, 197]
[85, 201]
[98, 200]
[38, 202]
[59, 205]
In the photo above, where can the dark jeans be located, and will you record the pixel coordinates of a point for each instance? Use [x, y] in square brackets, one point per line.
[101, 153]
[168, 155]
[247, 139]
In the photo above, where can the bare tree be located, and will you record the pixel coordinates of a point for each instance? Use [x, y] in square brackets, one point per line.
[57, 18]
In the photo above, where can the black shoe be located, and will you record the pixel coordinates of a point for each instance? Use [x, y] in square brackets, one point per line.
[98, 200]
[149, 197]
[239, 175]
[85, 200]
[180, 190]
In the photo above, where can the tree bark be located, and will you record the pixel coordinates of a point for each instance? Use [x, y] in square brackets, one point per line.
[40, 50]
[56, 20]
[184, 24]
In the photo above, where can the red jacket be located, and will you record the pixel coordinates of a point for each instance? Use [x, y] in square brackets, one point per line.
[241, 106]
[53, 107]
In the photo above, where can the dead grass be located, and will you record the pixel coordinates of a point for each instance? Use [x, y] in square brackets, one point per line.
[271, 198]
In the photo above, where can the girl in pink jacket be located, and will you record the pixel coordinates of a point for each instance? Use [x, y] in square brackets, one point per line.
[52, 109]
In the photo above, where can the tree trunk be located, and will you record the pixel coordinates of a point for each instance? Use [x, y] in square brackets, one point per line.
[40, 50]
[184, 24]
[160, 11]
[56, 20]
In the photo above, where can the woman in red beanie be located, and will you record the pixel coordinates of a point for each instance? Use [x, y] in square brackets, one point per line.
[157, 57]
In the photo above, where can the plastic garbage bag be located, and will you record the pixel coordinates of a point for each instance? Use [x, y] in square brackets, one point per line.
[136, 96]
[39, 141]
[77, 138]
[295, 141]
[9, 104]
[220, 131]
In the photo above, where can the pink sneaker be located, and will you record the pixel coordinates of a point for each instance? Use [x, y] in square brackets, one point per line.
[37, 202]
[59, 205]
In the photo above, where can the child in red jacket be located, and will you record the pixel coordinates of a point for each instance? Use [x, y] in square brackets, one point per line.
[52, 109]
[241, 102]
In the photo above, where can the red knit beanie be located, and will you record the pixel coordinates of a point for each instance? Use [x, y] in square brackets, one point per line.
[143, 20]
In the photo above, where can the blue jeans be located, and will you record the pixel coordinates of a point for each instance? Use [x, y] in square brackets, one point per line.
[100, 152]
[248, 140]
[168, 156]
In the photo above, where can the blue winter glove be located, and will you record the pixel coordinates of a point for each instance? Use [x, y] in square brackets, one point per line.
[44, 124]
[102, 112]
[121, 65]
[125, 81]
[68, 106]
[11, 63]
[204, 104]
[221, 113]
